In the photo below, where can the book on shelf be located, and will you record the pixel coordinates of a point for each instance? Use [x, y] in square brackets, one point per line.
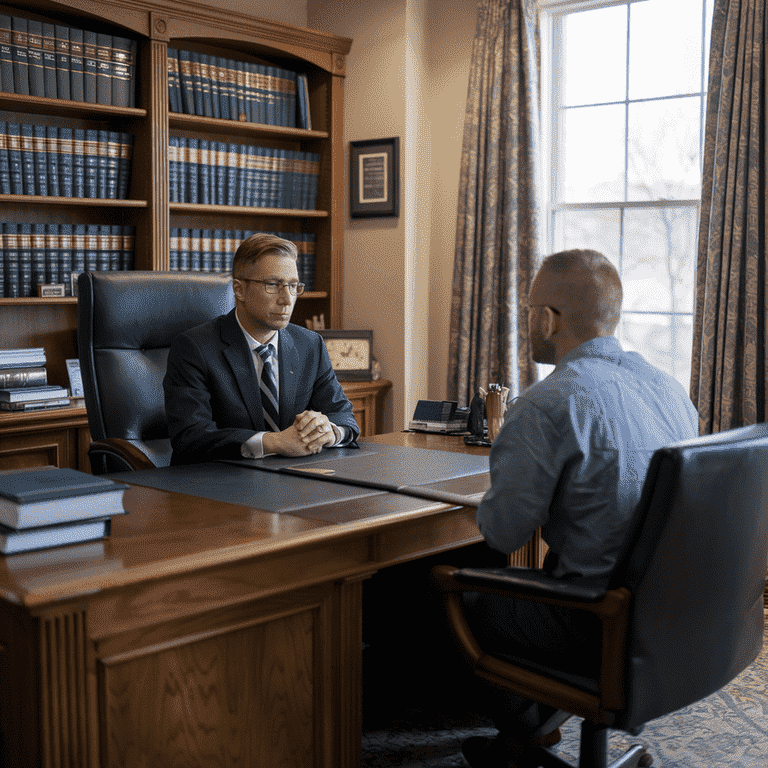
[64, 158]
[28, 158]
[63, 88]
[14, 159]
[29, 376]
[20, 56]
[91, 162]
[52, 150]
[76, 65]
[35, 405]
[103, 68]
[49, 61]
[35, 57]
[6, 54]
[24, 394]
[302, 102]
[30, 357]
[5, 165]
[40, 153]
[31, 498]
[122, 71]
[38, 259]
[174, 84]
[185, 79]
[44, 537]
[90, 57]
[78, 162]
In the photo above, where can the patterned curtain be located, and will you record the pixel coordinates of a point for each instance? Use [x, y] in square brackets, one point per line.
[496, 243]
[729, 343]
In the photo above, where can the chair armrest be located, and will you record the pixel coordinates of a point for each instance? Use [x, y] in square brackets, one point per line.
[121, 454]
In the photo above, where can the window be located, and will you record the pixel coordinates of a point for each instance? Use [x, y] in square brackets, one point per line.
[625, 112]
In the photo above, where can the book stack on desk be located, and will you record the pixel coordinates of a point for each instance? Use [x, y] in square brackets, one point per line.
[24, 382]
[46, 507]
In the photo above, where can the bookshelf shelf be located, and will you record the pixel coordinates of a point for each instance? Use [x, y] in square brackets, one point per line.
[35, 105]
[181, 121]
[235, 210]
[97, 202]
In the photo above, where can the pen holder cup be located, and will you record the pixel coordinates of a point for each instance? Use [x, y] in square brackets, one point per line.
[495, 409]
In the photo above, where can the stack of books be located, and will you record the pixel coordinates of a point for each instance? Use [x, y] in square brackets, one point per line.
[48, 507]
[56, 61]
[213, 86]
[24, 382]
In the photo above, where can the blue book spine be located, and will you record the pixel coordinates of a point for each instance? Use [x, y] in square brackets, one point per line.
[20, 56]
[173, 254]
[115, 247]
[231, 174]
[192, 169]
[35, 58]
[314, 178]
[41, 160]
[28, 158]
[25, 260]
[221, 173]
[128, 252]
[260, 115]
[132, 86]
[282, 178]
[65, 255]
[184, 249]
[212, 171]
[51, 236]
[195, 256]
[234, 111]
[197, 84]
[90, 66]
[91, 247]
[250, 175]
[76, 65]
[2, 264]
[242, 105]
[91, 150]
[124, 165]
[102, 164]
[173, 169]
[49, 60]
[79, 243]
[259, 177]
[172, 63]
[112, 170]
[11, 259]
[62, 62]
[204, 172]
[206, 251]
[242, 174]
[187, 89]
[213, 74]
[104, 256]
[5, 164]
[103, 69]
[6, 54]
[78, 163]
[203, 65]
[218, 250]
[290, 109]
[271, 97]
[52, 153]
[182, 177]
[250, 91]
[65, 158]
[122, 67]
[222, 74]
[14, 159]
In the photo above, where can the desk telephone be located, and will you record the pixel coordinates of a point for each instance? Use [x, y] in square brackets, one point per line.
[439, 416]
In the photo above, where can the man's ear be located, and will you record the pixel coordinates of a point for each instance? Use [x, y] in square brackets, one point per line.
[238, 288]
[551, 322]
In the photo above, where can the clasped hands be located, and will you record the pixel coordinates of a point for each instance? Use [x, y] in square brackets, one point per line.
[308, 434]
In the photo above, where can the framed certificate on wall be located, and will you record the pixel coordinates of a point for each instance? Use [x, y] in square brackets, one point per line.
[374, 177]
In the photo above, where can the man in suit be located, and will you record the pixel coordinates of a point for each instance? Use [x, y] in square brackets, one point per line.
[571, 458]
[249, 383]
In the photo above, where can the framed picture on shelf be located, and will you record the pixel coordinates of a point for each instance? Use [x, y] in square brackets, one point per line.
[374, 177]
[350, 353]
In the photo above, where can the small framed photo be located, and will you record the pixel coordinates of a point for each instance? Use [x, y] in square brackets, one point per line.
[51, 290]
[350, 353]
[374, 177]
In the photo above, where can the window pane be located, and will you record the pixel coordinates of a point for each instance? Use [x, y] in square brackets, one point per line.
[598, 230]
[593, 156]
[663, 341]
[663, 150]
[594, 67]
[659, 259]
[664, 48]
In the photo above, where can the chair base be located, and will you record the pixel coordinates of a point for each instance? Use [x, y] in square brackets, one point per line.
[594, 753]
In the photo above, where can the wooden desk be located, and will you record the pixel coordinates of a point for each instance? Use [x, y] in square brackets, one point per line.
[204, 633]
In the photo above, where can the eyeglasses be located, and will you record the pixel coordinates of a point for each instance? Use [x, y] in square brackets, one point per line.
[276, 286]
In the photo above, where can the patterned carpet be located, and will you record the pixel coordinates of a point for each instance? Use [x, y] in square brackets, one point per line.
[729, 729]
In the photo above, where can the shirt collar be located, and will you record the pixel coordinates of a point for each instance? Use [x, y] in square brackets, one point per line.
[252, 343]
[600, 346]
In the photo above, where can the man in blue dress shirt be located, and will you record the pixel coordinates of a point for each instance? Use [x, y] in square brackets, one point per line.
[571, 458]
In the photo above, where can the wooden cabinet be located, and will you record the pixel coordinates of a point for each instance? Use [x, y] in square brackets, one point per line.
[158, 25]
[367, 398]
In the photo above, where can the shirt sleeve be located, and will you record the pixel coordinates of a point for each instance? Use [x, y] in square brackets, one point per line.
[253, 448]
[525, 468]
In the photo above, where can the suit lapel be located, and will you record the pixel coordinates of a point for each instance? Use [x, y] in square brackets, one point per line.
[238, 355]
[288, 360]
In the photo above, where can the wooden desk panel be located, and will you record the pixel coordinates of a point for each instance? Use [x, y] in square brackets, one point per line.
[203, 633]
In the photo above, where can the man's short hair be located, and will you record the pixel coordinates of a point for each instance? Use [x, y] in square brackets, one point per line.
[259, 245]
[602, 278]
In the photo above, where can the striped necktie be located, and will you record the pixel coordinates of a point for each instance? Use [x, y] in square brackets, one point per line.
[268, 387]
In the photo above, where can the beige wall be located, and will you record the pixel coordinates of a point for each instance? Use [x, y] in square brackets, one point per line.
[284, 11]
[407, 76]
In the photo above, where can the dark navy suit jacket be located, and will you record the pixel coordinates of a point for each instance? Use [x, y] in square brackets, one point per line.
[212, 397]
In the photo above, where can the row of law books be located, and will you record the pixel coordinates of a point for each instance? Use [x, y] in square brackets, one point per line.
[213, 250]
[64, 162]
[34, 255]
[24, 382]
[219, 173]
[42, 507]
[214, 86]
[57, 61]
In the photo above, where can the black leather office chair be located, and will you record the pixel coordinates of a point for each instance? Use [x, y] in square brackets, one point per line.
[683, 613]
[125, 324]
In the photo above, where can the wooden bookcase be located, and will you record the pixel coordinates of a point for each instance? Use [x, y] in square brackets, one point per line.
[158, 25]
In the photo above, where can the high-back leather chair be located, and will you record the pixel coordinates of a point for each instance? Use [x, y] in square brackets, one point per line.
[683, 613]
[126, 322]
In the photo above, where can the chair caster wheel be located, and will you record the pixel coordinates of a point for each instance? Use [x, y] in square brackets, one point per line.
[645, 761]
